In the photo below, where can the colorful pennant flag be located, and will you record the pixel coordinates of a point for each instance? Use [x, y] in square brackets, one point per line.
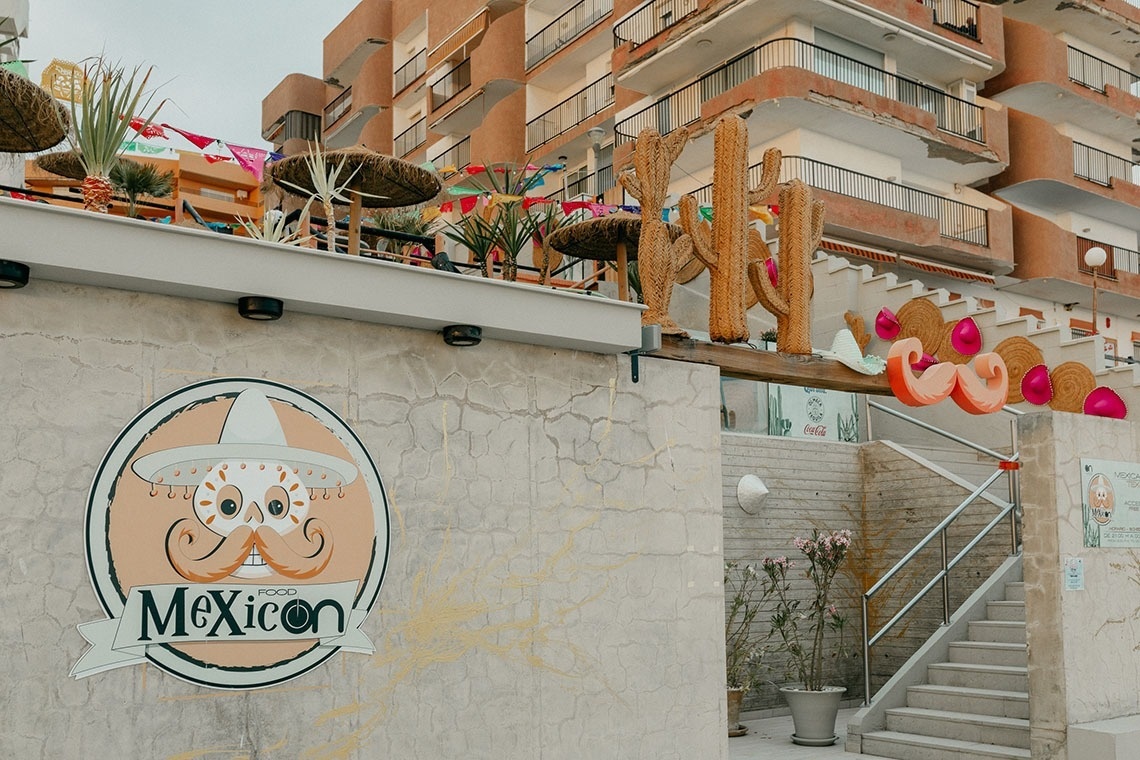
[210, 159]
[149, 131]
[199, 141]
[250, 159]
[467, 204]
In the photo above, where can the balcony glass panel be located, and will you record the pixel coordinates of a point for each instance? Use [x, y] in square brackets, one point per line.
[683, 106]
[956, 220]
[651, 19]
[455, 158]
[565, 29]
[451, 84]
[410, 71]
[411, 138]
[589, 101]
[339, 106]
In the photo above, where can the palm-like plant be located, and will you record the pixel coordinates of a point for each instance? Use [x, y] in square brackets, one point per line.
[135, 180]
[516, 227]
[101, 110]
[410, 222]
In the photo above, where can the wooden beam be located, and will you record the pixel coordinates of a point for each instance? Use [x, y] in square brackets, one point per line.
[772, 367]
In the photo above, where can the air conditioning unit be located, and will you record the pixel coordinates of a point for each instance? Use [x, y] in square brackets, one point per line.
[964, 89]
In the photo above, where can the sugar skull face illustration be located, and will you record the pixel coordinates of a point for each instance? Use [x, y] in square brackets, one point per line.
[251, 497]
[1102, 499]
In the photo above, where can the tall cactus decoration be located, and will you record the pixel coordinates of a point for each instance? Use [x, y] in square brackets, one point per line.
[801, 228]
[658, 258]
[723, 245]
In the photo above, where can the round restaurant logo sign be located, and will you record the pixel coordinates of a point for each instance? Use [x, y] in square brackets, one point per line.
[237, 536]
[1102, 499]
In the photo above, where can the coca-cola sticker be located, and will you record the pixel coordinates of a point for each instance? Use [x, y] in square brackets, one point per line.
[237, 537]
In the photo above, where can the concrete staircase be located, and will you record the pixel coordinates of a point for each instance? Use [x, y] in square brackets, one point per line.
[973, 707]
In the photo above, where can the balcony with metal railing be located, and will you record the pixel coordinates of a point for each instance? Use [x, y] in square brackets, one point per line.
[411, 138]
[1101, 167]
[409, 72]
[454, 81]
[652, 18]
[682, 107]
[959, 16]
[569, 26]
[1096, 74]
[455, 158]
[593, 184]
[591, 100]
[956, 220]
[338, 107]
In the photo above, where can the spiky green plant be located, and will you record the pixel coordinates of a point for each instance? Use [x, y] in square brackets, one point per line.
[135, 179]
[516, 228]
[273, 228]
[102, 107]
[478, 235]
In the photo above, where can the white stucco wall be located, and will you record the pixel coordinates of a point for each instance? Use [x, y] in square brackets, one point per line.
[554, 580]
[1083, 664]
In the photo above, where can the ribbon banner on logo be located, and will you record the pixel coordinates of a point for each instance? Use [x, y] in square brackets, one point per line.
[182, 613]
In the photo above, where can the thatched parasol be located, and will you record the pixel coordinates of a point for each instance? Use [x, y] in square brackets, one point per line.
[378, 181]
[66, 163]
[30, 119]
[606, 238]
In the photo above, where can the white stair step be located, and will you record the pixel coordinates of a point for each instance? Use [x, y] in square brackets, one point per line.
[1015, 592]
[1009, 704]
[914, 747]
[967, 727]
[1002, 677]
[1006, 611]
[989, 653]
[1011, 631]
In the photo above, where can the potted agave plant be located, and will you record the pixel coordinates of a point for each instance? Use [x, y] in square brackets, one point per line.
[747, 592]
[801, 629]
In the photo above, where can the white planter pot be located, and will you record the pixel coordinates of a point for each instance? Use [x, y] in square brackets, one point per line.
[814, 714]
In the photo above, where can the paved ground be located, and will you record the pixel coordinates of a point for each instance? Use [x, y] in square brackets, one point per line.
[770, 739]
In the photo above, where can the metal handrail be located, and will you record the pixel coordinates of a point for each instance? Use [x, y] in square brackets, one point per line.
[1009, 465]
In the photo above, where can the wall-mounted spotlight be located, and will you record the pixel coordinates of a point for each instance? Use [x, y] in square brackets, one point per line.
[462, 335]
[13, 274]
[260, 308]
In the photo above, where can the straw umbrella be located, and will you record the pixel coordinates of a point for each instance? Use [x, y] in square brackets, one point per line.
[377, 181]
[606, 238]
[30, 119]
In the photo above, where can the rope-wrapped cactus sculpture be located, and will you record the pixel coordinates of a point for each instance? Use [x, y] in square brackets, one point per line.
[658, 257]
[723, 245]
[801, 228]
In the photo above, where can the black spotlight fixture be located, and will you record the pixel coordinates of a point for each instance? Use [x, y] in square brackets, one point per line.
[13, 274]
[462, 335]
[261, 308]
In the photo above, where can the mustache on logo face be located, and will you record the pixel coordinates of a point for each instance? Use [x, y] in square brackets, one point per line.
[219, 561]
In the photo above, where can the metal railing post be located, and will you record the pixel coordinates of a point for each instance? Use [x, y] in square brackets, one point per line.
[1014, 490]
[945, 580]
[866, 653]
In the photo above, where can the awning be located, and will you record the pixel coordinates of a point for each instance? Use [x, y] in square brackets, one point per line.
[945, 270]
[464, 35]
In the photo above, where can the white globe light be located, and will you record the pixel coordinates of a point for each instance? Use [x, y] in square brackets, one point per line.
[1096, 257]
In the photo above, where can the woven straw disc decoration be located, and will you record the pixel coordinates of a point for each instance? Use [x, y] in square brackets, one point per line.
[1019, 354]
[1072, 381]
[921, 319]
[946, 351]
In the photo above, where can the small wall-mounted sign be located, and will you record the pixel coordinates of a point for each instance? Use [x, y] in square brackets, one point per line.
[1074, 574]
[237, 536]
[1110, 503]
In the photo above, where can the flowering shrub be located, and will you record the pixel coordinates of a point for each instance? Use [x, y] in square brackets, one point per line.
[744, 649]
[801, 627]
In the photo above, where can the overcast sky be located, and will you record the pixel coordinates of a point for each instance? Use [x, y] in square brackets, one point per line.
[214, 59]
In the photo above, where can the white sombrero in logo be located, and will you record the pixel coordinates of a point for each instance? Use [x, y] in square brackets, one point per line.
[252, 432]
[845, 349]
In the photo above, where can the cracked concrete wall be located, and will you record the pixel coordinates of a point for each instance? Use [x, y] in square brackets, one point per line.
[1082, 644]
[553, 588]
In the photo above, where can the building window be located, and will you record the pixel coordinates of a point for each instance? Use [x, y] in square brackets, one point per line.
[217, 195]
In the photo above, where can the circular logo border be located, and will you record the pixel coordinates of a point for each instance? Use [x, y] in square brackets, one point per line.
[120, 454]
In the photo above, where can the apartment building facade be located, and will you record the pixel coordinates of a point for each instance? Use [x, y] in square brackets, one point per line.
[937, 131]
